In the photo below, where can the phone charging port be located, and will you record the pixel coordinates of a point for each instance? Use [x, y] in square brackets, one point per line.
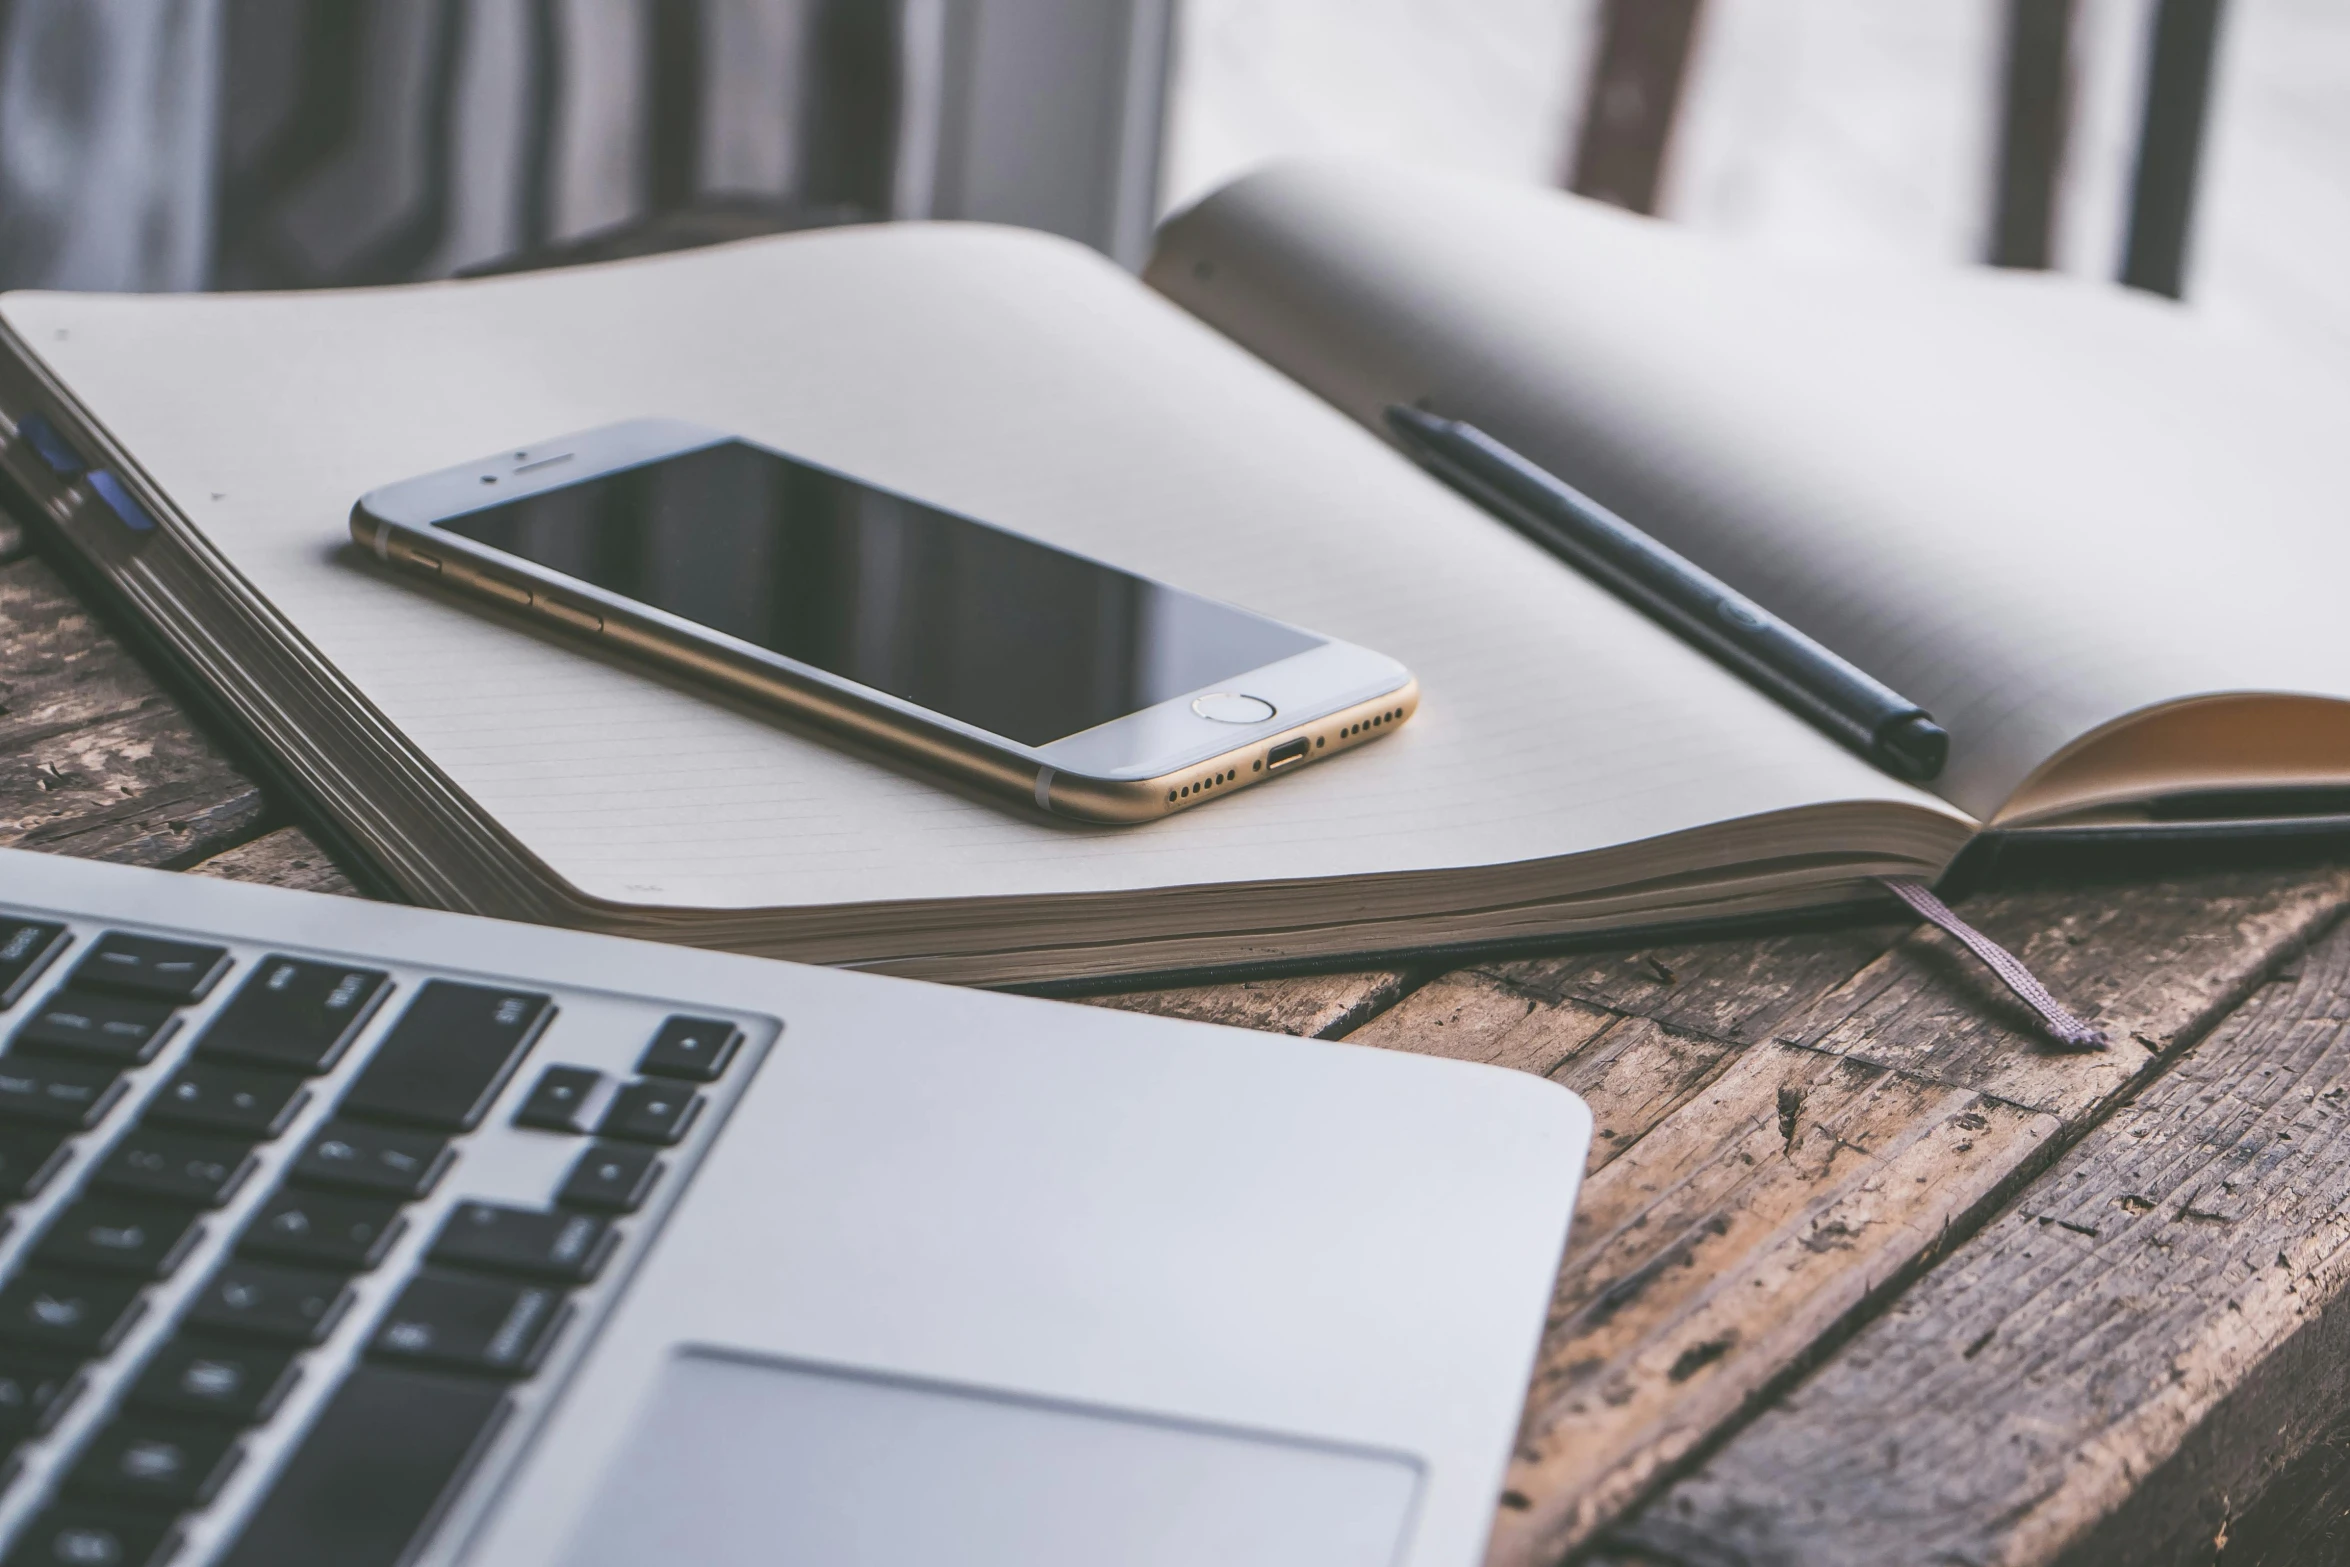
[1287, 752]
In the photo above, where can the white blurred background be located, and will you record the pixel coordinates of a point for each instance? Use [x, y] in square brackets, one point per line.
[1823, 127]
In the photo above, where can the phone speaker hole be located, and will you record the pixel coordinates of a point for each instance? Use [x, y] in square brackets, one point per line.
[1203, 785]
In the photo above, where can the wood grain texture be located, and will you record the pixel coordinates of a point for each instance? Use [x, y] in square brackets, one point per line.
[1317, 1006]
[284, 858]
[1636, 1032]
[1735, 990]
[59, 669]
[94, 759]
[2149, 1334]
[2301, 1520]
[1814, 1172]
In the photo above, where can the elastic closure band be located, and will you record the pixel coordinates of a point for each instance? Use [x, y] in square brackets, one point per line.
[2069, 1029]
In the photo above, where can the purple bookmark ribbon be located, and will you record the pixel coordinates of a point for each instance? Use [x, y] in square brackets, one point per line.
[2061, 1021]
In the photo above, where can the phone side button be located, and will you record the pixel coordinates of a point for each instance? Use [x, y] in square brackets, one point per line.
[571, 615]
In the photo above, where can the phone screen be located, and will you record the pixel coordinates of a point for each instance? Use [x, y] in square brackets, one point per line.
[999, 631]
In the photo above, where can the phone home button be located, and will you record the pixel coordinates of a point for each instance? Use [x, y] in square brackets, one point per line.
[1229, 707]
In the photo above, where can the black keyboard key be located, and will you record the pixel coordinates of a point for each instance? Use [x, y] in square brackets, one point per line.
[29, 1156]
[179, 972]
[288, 1305]
[564, 1248]
[206, 1096]
[565, 1099]
[181, 1167]
[96, 1534]
[56, 1090]
[113, 1235]
[217, 1378]
[26, 948]
[322, 1230]
[448, 1055]
[34, 1391]
[373, 1159]
[294, 1015]
[79, 1313]
[156, 1460]
[610, 1178]
[651, 1112]
[470, 1325]
[694, 1048]
[121, 1029]
[387, 1453]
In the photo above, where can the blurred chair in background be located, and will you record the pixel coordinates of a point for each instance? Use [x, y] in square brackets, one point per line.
[1639, 66]
[1640, 62]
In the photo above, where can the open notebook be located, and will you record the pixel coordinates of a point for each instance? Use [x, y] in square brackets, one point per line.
[2103, 549]
[1821, 442]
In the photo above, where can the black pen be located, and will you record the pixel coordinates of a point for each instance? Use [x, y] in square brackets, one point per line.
[1879, 723]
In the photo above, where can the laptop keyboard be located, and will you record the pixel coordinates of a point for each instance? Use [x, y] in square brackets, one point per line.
[298, 1246]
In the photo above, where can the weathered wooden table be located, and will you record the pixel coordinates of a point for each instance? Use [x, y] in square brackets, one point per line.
[1862, 1273]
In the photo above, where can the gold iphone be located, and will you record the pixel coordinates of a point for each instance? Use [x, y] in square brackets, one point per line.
[933, 638]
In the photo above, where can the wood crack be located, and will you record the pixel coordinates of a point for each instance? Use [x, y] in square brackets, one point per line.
[1930, 1079]
[28, 736]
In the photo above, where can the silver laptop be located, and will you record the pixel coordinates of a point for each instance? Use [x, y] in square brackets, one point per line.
[347, 1234]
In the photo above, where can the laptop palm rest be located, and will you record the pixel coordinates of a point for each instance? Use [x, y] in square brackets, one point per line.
[735, 1462]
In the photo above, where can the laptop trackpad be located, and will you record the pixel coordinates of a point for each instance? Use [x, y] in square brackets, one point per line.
[739, 1462]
